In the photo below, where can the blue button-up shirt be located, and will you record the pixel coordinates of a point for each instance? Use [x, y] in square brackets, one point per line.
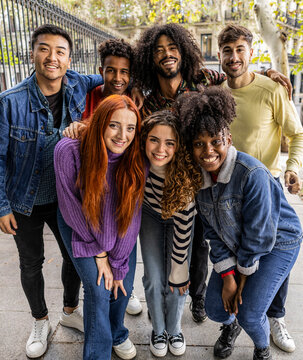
[23, 125]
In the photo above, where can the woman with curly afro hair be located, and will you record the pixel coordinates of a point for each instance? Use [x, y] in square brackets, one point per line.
[165, 234]
[254, 233]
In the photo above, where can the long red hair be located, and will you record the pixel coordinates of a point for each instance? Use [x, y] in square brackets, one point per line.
[130, 177]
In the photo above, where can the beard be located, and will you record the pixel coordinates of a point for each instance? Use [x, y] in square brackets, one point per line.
[168, 74]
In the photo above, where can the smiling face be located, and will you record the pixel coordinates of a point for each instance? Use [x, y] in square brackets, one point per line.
[235, 57]
[210, 151]
[167, 58]
[161, 144]
[51, 56]
[116, 75]
[120, 131]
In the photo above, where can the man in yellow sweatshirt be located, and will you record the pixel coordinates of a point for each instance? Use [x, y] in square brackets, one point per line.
[263, 112]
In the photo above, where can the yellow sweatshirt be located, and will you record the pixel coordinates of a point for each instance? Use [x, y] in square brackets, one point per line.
[263, 111]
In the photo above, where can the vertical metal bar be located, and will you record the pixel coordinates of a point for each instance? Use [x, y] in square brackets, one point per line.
[17, 42]
[2, 60]
[24, 59]
[25, 39]
[7, 48]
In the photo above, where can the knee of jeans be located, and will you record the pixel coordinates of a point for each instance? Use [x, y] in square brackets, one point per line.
[31, 266]
[215, 310]
[152, 284]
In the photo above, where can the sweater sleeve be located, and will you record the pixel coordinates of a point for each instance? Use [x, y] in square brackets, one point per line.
[287, 117]
[183, 224]
[66, 158]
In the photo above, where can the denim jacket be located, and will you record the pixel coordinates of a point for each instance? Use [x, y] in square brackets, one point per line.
[245, 214]
[23, 121]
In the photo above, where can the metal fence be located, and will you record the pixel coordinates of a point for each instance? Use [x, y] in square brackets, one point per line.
[19, 18]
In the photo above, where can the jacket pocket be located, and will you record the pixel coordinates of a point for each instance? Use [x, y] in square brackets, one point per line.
[22, 141]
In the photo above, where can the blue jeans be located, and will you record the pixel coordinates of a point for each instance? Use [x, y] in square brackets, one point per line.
[165, 307]
[257, 295]
[103, 315]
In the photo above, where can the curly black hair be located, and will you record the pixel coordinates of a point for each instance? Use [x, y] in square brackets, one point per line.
[115, 47]
[191, 57]
[212, 110]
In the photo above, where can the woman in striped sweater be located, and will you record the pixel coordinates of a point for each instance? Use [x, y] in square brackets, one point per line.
[166, 227]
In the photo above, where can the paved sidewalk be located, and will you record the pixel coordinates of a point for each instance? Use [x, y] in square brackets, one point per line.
[66, 344]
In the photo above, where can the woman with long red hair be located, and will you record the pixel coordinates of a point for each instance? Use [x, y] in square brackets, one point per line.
[100, 184]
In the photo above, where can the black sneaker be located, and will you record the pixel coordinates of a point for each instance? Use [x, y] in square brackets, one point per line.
[197, 309]
[224, 346]
[177, 344]
[158, 344]
[262, 354]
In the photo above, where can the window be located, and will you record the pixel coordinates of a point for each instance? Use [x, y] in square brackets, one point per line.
[206, 45]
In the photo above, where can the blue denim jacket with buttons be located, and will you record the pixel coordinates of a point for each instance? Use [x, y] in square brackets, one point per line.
[23, 122]
[245, 214]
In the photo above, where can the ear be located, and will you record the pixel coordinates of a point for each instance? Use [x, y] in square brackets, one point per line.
[69, 61]
[101, 70]
[229, 139]
[31, 56]
[251, 51]
[219, 57]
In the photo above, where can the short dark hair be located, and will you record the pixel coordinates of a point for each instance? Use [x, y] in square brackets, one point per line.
[232, 33]
[211, 111]
[53, 30]
[191, 56]
[115, 47]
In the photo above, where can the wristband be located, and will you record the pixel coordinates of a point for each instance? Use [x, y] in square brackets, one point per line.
[101, 257]
[231, 272]
[266, 72]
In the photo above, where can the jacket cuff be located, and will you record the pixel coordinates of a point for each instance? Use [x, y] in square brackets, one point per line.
[5, 210]
[225, 264]
[248, 270]
[119, 274]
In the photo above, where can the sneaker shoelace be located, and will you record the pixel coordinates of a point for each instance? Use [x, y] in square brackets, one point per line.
[282, 333]
[197, 304]
[176, 338]
[225, 336]
[38, 330]
[159, 338]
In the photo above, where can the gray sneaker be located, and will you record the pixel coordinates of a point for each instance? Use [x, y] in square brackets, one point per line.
[73, 320]
[37, 342]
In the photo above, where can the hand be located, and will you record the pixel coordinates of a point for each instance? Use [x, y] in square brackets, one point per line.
[228, 292]
[74, 130]
[8, 223]
[118, 284]
[137, 97]
[238, 297]
[282, 79]
[105, 270]
[292, 182]
[182, 289]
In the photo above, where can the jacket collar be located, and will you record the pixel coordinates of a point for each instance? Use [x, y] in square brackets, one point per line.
[225, 172]
[33, 95]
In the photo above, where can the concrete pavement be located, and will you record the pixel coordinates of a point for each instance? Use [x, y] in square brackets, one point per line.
[67, 344]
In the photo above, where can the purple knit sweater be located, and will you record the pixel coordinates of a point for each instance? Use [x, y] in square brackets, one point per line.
[86, 241]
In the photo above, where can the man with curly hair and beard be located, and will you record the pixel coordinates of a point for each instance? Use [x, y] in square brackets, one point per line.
[167, 63]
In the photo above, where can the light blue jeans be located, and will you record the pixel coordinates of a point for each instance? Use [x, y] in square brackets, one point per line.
[165, 307]
[258, 293]
[103, 315]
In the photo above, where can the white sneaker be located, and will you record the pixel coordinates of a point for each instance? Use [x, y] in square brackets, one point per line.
[280, 334]
[126, 350]
[158, 344]
[37, 342]
[177, 344]
[134, 306]
[73, 320]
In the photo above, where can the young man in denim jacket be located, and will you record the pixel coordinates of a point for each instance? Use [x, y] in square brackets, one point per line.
[32, 117]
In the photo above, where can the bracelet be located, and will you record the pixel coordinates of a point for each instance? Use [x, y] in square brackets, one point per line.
[266, 72]
[101, 257]
[231, 272]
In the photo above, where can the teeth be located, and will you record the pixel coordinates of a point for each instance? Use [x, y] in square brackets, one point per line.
[168, 63]
[159, 157]
[51, 67]
[209, 160]
[118, 143]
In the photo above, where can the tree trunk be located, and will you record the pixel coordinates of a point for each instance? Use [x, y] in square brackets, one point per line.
[276, 42]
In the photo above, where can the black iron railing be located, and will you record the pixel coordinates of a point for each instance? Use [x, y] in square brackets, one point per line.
[18, 19]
